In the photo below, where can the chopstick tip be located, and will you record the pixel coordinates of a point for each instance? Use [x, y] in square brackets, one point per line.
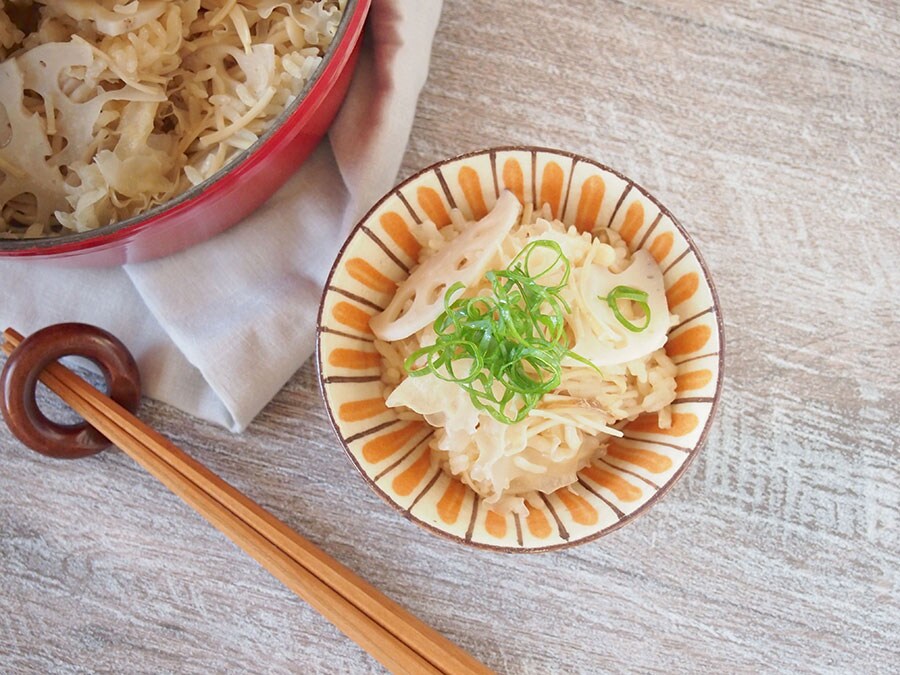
[12, 335]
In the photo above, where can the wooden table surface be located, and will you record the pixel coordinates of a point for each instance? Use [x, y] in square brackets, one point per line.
[771, 130]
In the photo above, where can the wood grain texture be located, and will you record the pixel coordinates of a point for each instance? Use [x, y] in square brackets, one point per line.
[771, 130]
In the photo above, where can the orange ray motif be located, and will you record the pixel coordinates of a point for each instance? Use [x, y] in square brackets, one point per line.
[691, 340]
[382, 447]
[646, 459]
[351, 316]
[356, 411]
[471, 187]
[398, 230]
[634, 220]
[589, 203]
[582, 512]
[551, 187]
[368, 276]
[648, 423]
[621, 488]
[495, 524]
[513, 179]
[354, 358]
[407, 481]
[696, 379]
[683, 289]
[449, 505]
[661, 246]
[537, 522]
[431, 203]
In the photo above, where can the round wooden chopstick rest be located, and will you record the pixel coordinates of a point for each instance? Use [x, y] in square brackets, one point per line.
[19, 378]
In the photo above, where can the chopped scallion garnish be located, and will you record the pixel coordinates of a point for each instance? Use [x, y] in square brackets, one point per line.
[514, 337]
[628, 293]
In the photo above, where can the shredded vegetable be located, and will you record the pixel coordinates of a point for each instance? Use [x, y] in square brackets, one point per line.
[111, 107]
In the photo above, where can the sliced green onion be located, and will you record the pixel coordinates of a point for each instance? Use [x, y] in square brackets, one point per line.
[514, 337]
[628, 293]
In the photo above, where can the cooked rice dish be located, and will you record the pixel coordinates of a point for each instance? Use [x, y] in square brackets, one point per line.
[112, 107]
[614, 321]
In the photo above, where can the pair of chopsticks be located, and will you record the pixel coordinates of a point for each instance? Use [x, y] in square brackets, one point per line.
[393, 636]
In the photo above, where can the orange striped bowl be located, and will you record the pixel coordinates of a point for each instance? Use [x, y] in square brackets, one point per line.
[393, 454]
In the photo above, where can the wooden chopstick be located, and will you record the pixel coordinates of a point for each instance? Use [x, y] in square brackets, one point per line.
[380, 643]
[401, 642]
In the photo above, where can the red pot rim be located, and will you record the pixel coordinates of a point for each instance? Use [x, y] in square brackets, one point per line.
[294, 116]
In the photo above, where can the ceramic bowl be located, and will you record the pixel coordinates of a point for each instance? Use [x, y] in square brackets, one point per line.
[393, 455]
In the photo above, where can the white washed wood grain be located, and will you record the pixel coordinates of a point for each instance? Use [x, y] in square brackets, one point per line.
[771, 130]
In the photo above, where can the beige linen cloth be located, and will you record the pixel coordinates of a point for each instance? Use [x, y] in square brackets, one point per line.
[218, 329]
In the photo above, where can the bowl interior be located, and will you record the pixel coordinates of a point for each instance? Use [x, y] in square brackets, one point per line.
[393, 454]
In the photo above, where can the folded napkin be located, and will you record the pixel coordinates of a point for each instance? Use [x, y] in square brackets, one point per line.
[218, 329]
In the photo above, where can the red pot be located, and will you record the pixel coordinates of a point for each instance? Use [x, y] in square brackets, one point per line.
[232, 193]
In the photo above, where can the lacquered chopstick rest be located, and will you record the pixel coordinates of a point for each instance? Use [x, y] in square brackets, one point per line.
[24, 366]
